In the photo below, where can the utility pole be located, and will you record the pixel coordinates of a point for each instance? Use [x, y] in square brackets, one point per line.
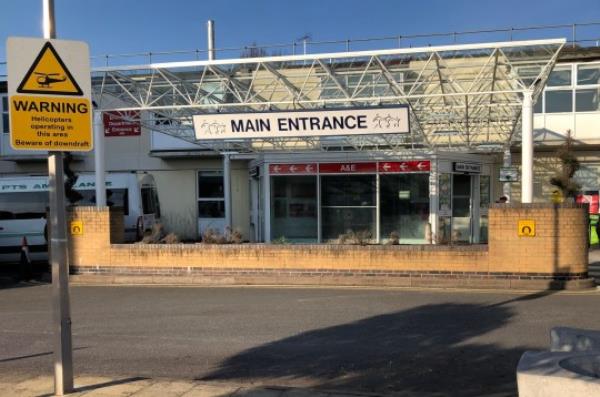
[61, 324]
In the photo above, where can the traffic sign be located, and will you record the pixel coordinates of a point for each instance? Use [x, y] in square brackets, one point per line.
[49, 90]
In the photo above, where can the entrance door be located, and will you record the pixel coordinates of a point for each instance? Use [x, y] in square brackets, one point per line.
[211, 202]
[461, 208]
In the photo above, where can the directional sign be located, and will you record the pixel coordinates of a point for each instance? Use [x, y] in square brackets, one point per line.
[49, 91]
[404, 166]
[281, 169]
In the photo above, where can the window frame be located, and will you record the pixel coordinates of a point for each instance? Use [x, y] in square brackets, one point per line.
[221, 200]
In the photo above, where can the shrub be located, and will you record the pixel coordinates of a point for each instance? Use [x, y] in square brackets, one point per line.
[361, 237]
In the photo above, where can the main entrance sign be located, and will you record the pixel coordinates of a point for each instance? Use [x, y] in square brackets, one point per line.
[381, 120]
[49, 91]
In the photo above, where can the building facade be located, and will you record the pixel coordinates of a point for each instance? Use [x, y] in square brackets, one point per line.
[381, 189]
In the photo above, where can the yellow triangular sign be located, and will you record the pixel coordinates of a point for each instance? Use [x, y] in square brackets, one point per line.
[49, 75]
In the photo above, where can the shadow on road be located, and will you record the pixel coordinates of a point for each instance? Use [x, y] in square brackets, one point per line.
[424, 351]
[13, 275]
[5, 360]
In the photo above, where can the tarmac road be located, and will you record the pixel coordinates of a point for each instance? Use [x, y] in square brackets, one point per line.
[422, 342]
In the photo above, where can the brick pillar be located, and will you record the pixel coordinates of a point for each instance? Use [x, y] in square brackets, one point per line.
[560, 244]
[92, 247]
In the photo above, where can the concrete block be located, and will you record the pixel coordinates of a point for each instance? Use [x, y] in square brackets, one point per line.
[566, 339]
[558, 374]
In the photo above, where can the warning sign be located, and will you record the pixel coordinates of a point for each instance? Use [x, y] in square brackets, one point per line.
[76, 227]
[49, 93]
[49, 74]
[526, 228]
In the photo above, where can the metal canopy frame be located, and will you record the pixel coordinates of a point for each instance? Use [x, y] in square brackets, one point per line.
[461, 97]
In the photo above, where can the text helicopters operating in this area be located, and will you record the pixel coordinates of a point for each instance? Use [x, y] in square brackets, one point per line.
[45, 79]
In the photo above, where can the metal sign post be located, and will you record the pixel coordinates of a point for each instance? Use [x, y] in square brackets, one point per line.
[61, 324]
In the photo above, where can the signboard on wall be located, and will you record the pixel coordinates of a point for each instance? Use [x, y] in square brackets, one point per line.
[350, 168]
[122, 123]
[590, 198]
[467, 168]
[381, 120]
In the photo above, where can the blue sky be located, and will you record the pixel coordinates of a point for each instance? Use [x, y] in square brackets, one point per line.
[121, 26]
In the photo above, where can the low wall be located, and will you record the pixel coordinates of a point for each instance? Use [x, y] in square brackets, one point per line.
[556, 257]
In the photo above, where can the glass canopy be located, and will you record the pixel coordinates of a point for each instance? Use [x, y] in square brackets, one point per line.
[461, 97]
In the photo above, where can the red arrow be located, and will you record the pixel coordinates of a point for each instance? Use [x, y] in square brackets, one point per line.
[386, 166]
[293, 168]
[421, 165]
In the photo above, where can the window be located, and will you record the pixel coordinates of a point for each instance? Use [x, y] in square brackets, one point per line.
[348, 204]
[4, 114]
[26, 205]
[559, 78]
[537, 108]
[211, 195]
[587, 100]
[559, 101]
[149, 201]
[114, 198]
[404, 207]
[294, 208]
[588, 74]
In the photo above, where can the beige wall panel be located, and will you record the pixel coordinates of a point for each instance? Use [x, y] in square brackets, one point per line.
[240, 198]
[177, 196]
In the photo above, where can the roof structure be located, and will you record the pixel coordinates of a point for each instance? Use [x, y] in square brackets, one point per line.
[461, 97]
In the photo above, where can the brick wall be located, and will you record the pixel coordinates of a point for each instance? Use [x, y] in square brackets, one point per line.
[559, 245]
[556, 255]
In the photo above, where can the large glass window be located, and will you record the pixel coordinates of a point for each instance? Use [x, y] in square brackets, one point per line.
[294, 208]
[114, 198]
[26, 205]
[348, 205]
[211, 195]
[559, 78]
[587, 100]
[404, 207]
[588, 74]
[559, 101]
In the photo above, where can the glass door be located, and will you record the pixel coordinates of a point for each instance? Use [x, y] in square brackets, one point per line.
[461, 208]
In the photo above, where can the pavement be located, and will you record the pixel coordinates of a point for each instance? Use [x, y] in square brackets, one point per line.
[93, 386]
[284, 342]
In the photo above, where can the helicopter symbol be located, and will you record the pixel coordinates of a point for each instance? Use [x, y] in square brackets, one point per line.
[45, 79]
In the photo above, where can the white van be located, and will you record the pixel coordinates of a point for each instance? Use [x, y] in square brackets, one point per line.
[24, 201]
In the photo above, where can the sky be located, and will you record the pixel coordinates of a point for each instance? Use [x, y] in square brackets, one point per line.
[125, 26]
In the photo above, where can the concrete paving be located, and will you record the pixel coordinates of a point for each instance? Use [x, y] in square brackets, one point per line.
[400, 342]
[90, 386]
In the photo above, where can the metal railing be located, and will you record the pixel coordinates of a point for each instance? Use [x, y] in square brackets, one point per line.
[579, 34]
